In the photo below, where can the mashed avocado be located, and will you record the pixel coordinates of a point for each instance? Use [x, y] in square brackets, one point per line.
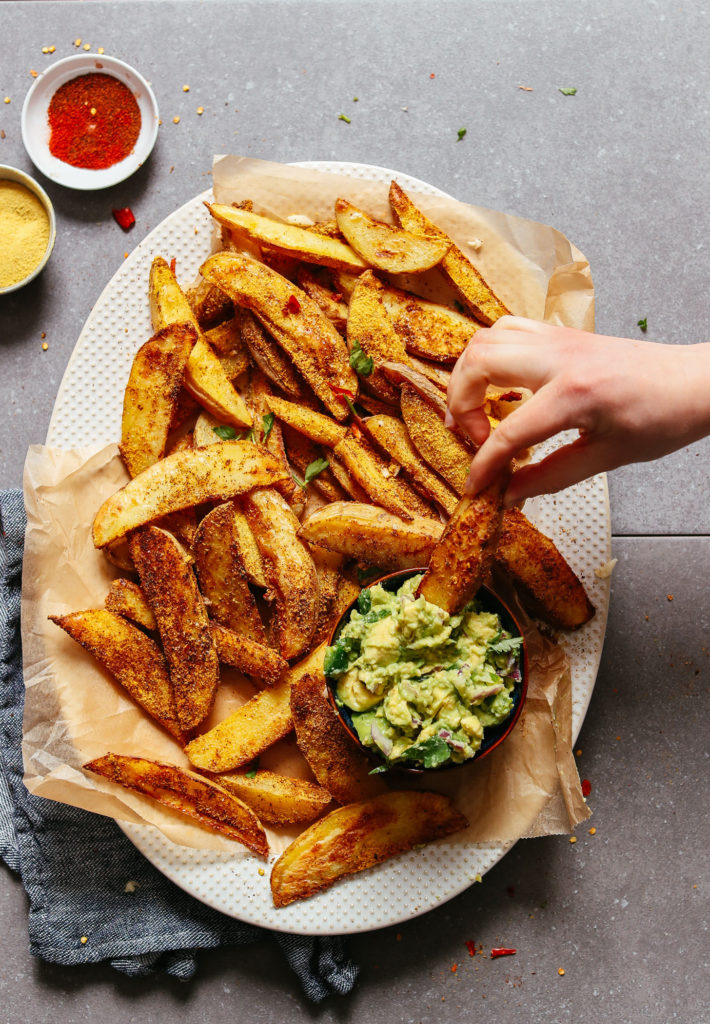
[422, 685]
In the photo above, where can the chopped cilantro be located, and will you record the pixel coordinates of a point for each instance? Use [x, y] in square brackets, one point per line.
[570, 91]
[461, 132]
[643, 324]
[251, 774]
[314, 468]
[506, 645]
[364, 602]
[225, 433]
[361, 363]
[267, 423]
[344, 117]
[430, 754]
[297, 481]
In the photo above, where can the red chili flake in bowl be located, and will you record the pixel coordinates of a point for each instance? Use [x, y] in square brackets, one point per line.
[94, 121]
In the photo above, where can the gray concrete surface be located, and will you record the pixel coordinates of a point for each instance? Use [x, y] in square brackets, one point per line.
[621, 168]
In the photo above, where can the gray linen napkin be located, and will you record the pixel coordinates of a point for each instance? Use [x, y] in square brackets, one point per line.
[75, 866]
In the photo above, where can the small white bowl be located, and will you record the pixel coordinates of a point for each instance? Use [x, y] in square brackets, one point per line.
[35, 125]
[12, 174]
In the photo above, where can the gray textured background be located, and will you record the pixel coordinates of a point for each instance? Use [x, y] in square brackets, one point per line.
[621, 168]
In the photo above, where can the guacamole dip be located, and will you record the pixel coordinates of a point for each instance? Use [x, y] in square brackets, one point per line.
[422, 685]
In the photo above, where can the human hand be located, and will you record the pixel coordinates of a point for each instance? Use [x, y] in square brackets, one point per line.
[631, 401]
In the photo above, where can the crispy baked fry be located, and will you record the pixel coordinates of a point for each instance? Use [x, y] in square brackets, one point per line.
[461, 560]
[288, 567]
[419, 382]
[426, 328]
[302, 453]
[372, 534]
[255, 726]
[182, 480]
[436, 375]
[210, 306]
[387, 247]
[170, 586]
[341, 767]
[356, 837]
[127, 599]
[475, 293]
[277, 799]
[343, 478]
[248, 550]
[542, 576]
[392, 437]
[131, 657]
[267, 355]
[293, 319]
[151, 395]
[227, 341]
[370, 327]
[319, 428]
[288, 239]
[373, 475]
[223, 579]
[188, 793]
[310, 280]
[446, 453]
[204, 377]
[249, 656]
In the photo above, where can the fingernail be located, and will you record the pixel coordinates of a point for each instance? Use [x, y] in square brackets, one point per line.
[449, 421]
[469, 487]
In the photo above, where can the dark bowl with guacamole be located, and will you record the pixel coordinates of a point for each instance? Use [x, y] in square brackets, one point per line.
[419, 689]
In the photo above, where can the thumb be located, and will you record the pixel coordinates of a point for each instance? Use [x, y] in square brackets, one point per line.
[565, 466]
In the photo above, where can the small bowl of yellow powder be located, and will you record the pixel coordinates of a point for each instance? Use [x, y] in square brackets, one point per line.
[27, 228]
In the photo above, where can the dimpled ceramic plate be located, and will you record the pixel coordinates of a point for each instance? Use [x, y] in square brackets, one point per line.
[577, 519]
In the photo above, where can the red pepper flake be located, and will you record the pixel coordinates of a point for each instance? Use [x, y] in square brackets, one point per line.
[432, 75]
[586, 787]
[510, 396]
[342, 393]
[471, 947]
[124, 218]
[172, 265]
[337, 296]
[669, 597]
[454, 968]
[502, 952]
[293, 305]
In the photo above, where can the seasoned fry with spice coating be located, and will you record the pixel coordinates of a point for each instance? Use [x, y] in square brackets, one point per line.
[249, 656]
[127, 599]
[356, 837]
[188, 793]
[171, 589]
[384, 488]
[277, 799]
[426, 328]
[385, 246]
[392, 437]
[268, 356]
[372, 534]
[131, 657]
[444, 451]
[370, 327]
[314, 425]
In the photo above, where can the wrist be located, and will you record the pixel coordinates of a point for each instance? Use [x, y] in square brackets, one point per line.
[695, 361]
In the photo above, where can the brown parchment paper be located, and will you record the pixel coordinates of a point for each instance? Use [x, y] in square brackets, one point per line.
[75, 711]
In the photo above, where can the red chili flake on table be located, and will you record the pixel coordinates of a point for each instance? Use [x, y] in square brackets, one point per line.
[293, 305]
[502, 952]
[471, 947]
[124, 218]
[454, 968]
[94, 121]
[586, 787]
[510, 396]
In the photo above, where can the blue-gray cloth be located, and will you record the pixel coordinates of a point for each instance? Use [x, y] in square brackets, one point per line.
[75, 865]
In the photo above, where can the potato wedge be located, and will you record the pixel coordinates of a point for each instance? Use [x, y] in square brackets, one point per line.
[258, 395]
[341, 767]
[328, 565]
[223, 580]
[375, 478]
[288, 239]
[546, 583]
[436, 375]
[170, 586]
[288, 567]
[392, 437]
[127, 599]
[387, 247]
[331, 303]
[204, 432]
[370, 327]
[293, 319]
[343, 478]
[267, 355]
[303, 453]
[248, 550]
[447, 453]
[182, 480]
[314, 425]
[255, 726]
[461, 560]
[372, 535]
[476, 295]
[227, 341]
[187, 793]
[277, 799]
[428, 329]
[210, 306]
[131, 657]
[249, 656]
[356, 837]
[400, 374]
[204, 377]
[151, 395]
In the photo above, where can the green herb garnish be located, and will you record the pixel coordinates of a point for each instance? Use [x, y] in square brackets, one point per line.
[364, 602]
[313, 469]
[568, 92]
[344, 117]
[225, 433]
[267, 423]
[643, 324]
[461, 132]
[361, 363]
[430, 754]
[506, 645]
[251, 774]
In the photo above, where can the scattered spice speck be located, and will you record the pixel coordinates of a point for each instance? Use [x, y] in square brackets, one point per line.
[176, 120]
[34, 73]
[669, 597]
[84, 939]
[471, 947]
[405, 109]
[573, 840]
[86, 46]
[561, 971]
[592, 831]
[45, 346]
[586, 787]
[344, 117]
[454, 968]
[399, 936]
[2, 133]
[186, 88]
[356, 99]
[124, 218]
[100, 50]
[461, 133]
[200, 110]
[77, 42]
[643, 323]
[525, 88]
[261, 871]
[53, 48]
[478, 878]
[432, 75]
[131, 886]
[45, 49]
[618, 737]
[125, 255]
[578, 752]
[7, 99]
[568, 91]
[43, 334]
